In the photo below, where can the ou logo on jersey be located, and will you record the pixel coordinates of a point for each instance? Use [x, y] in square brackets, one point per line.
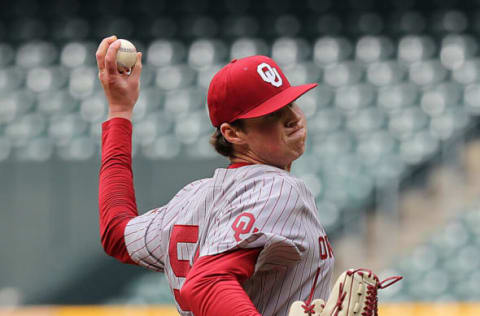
[243, 224]
[269, 74]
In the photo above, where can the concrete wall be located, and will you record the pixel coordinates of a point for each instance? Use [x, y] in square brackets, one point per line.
[49, 218]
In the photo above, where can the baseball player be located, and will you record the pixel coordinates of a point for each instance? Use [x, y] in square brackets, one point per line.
[248, 240]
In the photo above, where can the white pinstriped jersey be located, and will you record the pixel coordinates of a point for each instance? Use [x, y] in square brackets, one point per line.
[247, 207]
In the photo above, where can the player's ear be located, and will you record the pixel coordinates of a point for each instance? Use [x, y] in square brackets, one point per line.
[232, 134]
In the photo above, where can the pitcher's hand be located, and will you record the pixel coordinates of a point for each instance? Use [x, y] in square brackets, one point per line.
[121, 89]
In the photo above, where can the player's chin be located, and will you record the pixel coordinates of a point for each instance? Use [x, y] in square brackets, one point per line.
[298, 150]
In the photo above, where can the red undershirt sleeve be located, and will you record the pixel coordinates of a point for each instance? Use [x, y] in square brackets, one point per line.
[213, 285]
[116, 198]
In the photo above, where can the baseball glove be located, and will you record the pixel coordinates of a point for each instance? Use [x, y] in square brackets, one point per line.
[354, 294]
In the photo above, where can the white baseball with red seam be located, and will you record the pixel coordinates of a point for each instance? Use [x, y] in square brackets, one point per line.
[126, 56]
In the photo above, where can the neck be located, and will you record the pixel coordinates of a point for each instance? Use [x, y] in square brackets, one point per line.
[252, 159]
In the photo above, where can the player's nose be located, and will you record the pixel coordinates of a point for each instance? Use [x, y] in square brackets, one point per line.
[293, 117]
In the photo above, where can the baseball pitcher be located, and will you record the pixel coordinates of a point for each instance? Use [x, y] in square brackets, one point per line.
[248, 240]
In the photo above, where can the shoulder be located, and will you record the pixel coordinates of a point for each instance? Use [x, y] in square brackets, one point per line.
[264, 176]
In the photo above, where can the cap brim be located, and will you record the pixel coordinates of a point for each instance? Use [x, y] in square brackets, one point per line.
[277, 102]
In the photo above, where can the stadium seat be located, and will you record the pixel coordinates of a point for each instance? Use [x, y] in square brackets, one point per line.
[373, 49]
[414, 48]
[468, 72]
[39, 149]
[456, 49]
[163, 147]
[287, 51]
[351, 99]
[63, 128]
[175, 77]
[342, 74]
[472, 98]
[41, 79]
[204, 53]
[385, 73]
[83, 81]
[397, 96]
[36, 53]
[11, 78]
[76, 54]
[244, 47]
[330, 50]
[163, 52]
[182, 101]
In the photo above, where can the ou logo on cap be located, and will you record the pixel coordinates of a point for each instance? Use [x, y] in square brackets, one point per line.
[269, 74]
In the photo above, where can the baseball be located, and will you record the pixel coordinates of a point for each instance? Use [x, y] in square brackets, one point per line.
[126, 56]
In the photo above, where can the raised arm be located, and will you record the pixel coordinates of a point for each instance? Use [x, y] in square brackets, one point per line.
[116, 192]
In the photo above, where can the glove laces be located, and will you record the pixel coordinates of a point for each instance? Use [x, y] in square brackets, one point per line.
[371, 299]
[308, 307]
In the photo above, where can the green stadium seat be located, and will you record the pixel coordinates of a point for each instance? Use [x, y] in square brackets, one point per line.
[343, 74]
[77, 149]
[418, 147]
[425, 73]
[149, 102]
[352, 98]
[455, 49]
[450, 123]
[204, 53]
[36, 53]
[164, 52]
[63, 128]
[245, 46]
[385, 73]
[175, 77]
[163, 147]
[374, 146]
[94, 108]
[299, 73]
[83, 82]
[39, 149]
[76, 54]
[398, 96]
[468, 72]
[11, 78]
[471, 98]
[326, 120]
[189, 127]
[414, 48]
[330, 50]
[290, 51]
[404, 123]
[55, 102]
[182, 101]
[41, 79]
[371, 49]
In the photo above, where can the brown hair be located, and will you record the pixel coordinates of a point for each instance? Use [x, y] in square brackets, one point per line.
[221, 145]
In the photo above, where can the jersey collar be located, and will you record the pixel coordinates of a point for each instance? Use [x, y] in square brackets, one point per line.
[238, 165]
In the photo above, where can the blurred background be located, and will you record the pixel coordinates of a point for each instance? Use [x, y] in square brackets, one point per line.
[393, 154]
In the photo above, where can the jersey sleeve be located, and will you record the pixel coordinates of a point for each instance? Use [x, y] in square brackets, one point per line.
[144, 240]
[262, 214]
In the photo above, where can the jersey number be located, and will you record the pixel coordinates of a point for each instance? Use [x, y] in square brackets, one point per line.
[181, 234]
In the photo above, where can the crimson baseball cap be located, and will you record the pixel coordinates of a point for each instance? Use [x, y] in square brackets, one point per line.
[250, 87]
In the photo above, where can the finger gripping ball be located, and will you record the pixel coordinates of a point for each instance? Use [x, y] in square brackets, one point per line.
[126, 56]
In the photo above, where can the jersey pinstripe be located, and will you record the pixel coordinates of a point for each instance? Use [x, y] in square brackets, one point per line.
[248, 207]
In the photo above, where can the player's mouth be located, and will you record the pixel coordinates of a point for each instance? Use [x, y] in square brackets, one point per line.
[297, 131]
